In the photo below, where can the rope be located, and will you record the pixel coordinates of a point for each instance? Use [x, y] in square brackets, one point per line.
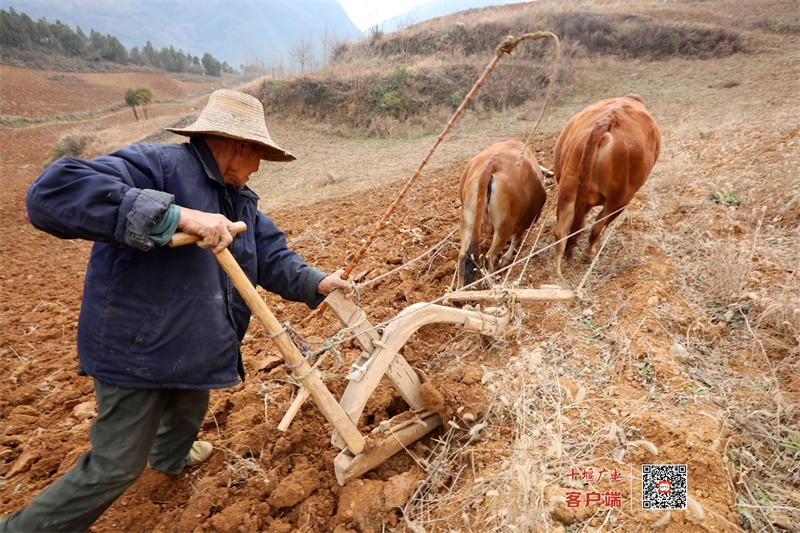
[541, 229]
[465, 287]
[330, 345]
[533, 246]
[401, 267]
[548, 98]
[551, 83]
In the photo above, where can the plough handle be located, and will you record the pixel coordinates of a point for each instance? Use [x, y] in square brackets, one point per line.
[319, 392]
[182, 239]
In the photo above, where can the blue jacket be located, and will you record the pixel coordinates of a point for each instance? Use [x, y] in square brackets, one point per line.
[160, 317]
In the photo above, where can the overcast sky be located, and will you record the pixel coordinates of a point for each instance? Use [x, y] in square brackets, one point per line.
[367, 13]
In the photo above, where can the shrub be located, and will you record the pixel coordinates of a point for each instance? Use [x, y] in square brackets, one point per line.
[391, 103]
[725, 197]
[456, 98]
[620, 34]
[141, 96]
[71, 145]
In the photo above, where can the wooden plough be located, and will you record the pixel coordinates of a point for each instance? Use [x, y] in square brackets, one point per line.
[380, 357]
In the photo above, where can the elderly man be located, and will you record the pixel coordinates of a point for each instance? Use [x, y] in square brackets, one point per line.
[159, 327]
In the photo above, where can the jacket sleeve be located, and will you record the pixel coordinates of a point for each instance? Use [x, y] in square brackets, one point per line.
[283, 271]
[118, 197]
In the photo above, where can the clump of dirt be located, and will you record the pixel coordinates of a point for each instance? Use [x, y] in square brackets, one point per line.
[463, 396]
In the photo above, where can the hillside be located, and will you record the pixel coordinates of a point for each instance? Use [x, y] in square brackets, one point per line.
[254, 32]
[684, 349]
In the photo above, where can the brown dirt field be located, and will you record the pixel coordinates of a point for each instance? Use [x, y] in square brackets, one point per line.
[39, 94]
[605, 384]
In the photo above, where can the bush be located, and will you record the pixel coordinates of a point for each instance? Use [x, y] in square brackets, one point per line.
[391, 103]
[71, 145]
[726, 198]
[403, 78]
[456, 98]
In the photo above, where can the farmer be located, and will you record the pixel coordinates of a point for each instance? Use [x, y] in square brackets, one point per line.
[161, 326]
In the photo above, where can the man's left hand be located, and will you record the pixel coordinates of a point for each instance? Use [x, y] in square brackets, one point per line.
[334, 281]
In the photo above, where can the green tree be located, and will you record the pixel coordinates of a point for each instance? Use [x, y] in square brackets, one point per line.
[116, 51]
[19, 31]
[132, 100]
[136, 56]
[145, 97]
[151, 56]
[212, 65]
[167, 57]
[140, 96]
[13, 32]
[71, 43]
[44, 36]
[99, 44]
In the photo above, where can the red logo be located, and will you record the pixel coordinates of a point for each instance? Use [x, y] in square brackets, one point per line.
[664, 486]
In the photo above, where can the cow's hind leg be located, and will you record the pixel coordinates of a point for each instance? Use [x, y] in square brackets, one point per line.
[566, 212]
[600, 225]
[499, 239]
[507, 257]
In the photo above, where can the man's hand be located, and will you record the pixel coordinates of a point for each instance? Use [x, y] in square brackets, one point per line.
[215, 230]
[334, 281]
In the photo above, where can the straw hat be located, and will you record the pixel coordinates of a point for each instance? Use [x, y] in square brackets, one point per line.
[236, 115]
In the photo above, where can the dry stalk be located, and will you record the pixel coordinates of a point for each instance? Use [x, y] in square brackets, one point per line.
[241, 468]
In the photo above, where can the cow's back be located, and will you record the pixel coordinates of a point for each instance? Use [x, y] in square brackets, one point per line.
[627, 118]
[518, 191]
[602, 157]
[500, 195]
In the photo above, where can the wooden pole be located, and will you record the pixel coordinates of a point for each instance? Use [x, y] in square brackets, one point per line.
[519, 295]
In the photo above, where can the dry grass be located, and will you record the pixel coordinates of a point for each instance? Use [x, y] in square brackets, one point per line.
[358, 94]
[400, 84]
[729, 234]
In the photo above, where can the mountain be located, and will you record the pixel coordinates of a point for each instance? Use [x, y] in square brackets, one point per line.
[240, 32]
[437, 8]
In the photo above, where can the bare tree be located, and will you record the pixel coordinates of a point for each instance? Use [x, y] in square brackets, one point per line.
[327, 41]
[253, 66]
[302, 52]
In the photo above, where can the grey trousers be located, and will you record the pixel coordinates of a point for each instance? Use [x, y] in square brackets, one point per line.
[134, 427]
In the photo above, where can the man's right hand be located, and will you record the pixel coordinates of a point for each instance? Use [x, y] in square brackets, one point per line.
[215, 230]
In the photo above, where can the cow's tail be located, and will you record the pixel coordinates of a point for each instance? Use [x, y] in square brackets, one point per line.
[468, 262]
[585, 176]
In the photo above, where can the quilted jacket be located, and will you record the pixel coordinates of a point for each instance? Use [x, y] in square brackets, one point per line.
[152, 316]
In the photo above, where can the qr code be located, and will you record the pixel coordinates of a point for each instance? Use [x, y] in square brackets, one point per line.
[664, 487]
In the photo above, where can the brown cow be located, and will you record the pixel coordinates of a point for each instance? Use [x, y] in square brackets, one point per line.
[501, 196]
[602, 157]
